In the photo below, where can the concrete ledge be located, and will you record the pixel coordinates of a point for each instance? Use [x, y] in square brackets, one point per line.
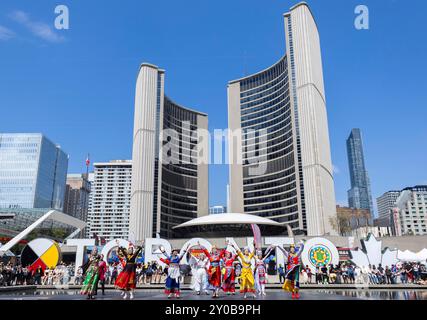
[17, 288]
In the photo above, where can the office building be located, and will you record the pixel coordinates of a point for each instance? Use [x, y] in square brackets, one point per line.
[33, 171]
[279, 151]
[217, 209]
[352, 219]
[359, 196]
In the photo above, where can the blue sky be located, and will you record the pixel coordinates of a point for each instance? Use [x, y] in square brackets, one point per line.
[77, 85]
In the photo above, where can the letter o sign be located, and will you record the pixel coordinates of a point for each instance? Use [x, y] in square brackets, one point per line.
[319, 252]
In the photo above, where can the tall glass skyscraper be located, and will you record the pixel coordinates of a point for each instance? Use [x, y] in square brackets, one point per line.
[359, 196]
[33, 172]
[280, 160]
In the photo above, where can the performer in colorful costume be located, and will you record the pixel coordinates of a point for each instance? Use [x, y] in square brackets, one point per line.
[102, 265]
[260, 273]
[293, 269]
[172, 285]
[247, 278]
[91, 270]
[214, 271]
[228, 278]
[199, 266]
[126, 279]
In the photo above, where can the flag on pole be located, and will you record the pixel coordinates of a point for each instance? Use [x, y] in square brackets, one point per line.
[87, 160]
[257, 236]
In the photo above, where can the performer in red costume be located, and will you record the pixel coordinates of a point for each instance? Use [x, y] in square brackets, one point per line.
[102, 270]
[293, 269]
[214, 271]
[126, 279]
[228, 278]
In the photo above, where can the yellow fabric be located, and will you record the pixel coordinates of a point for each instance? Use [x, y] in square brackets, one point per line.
[247, 278]
[246, 260]
[289, 286]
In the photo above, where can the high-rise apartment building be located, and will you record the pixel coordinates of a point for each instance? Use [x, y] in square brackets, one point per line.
[33, 171]
[409, 214]
[359, 196]
[109, 206]
[279, 152]
[386, 202]
[170, 159]
[77, 191]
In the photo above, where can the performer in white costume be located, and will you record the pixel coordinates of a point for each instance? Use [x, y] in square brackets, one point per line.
[260, 272]
[199, 266]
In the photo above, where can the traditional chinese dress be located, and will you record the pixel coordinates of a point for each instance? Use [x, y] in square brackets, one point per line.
[246, 276]
[228, 278]
[126, 279]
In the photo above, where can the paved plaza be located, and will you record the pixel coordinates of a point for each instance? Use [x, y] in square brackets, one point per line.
[273, 294]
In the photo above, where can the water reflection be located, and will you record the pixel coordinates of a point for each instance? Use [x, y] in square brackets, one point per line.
[369, 294]
[372, 294]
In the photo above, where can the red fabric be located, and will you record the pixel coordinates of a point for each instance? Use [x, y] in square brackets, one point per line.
[173, 290]
[102, 270]
[229, 276]
[126, 281]
[214, 272]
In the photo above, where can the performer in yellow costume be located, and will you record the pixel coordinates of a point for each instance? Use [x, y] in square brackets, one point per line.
[247, 284]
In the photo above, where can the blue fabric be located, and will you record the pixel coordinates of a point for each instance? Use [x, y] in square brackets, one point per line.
[172, 284]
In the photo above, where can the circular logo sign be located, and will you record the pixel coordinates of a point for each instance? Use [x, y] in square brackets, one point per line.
[44, 253]
[318, 252]
[320, 255]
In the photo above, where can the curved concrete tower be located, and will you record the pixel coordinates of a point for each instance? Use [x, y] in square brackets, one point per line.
[165, 193]
[281, 112]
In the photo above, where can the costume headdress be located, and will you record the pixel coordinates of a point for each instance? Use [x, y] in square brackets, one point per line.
[226, 252]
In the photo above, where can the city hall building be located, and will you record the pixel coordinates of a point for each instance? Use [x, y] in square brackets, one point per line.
[280, 160]
[169, 171]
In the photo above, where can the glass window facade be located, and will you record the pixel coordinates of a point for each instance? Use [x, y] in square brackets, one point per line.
[359, 196]
[33, 172]
[267, 136]
[179, 177]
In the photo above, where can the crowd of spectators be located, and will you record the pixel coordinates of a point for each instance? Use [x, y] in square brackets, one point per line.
[15, 275]
[345, 273]
[154, 273]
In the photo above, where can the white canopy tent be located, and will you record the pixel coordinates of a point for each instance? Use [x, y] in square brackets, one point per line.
[229, 218]
[412, 256]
